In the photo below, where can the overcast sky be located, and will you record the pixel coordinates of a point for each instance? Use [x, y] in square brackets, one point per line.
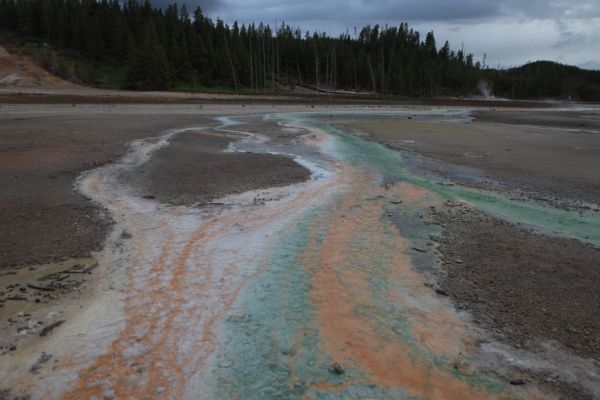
[511, 32]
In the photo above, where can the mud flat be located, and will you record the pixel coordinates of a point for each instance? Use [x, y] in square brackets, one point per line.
[51, 232]
[363, 281]
[43, 219]
[197, 168]
[531, 291]
[43, 150]
[588, 120]
[216, 249]
[564, 163]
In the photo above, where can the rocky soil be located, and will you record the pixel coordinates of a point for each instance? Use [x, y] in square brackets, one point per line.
[196, 168]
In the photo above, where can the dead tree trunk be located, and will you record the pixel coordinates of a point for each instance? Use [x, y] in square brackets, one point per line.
[251, 76]
[372, 74]
[316, 66]
[232, 68]
[263, 72]
[273, 64]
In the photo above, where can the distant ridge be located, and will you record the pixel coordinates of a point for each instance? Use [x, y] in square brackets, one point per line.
[548, 79]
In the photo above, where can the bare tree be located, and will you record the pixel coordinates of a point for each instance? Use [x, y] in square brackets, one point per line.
[372, 75]
[298, 66]
[251, 76]
[232, 68]
[316, 66]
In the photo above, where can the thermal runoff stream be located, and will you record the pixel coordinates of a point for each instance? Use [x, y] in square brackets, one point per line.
[320, 289]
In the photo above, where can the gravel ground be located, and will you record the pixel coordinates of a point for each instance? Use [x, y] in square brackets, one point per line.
[195, 168]
[563, 163]
[43, 219]
[522, 287]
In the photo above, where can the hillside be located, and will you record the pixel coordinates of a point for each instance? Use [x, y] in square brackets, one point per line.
[547, 79]
[18, 70]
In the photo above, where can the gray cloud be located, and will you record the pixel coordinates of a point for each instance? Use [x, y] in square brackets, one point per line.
[410, 10]
[208, 6]
[569, 39]
[211, 5]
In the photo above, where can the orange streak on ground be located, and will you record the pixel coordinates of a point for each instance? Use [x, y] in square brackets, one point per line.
[341, 285]
[154, 308]
[158, 362]
[425, 325]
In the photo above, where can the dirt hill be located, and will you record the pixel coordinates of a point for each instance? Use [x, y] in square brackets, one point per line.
[18, 70]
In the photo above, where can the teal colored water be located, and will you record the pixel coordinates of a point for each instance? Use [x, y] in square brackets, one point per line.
[550, 220]
[271, 337]
[271, 342]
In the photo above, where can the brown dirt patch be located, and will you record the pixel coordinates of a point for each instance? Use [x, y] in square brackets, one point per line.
[195, 168]
[42, 218]
[15, 95]
[570, 120]
[555, 162]
[524, 286]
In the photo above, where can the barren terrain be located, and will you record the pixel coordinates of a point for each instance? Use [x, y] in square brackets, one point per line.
[197, 168]
[261, 251]
[43, 218]
[526, 287]
[564, 163]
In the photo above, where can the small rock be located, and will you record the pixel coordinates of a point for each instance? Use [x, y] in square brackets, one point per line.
[48, 329]
[288, 351]
[337, 368]
[441, 292]
[16, 298]
[43, 359]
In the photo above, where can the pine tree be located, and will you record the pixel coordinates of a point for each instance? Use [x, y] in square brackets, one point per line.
[158, 47]
[150, 69]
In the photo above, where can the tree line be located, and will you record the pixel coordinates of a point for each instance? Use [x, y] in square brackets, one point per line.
[546, 80]
[160, 48]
